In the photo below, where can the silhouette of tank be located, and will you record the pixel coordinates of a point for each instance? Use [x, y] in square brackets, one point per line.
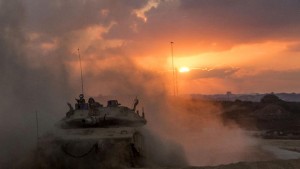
[91, 128]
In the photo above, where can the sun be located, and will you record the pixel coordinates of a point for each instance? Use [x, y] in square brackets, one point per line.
[184, 69]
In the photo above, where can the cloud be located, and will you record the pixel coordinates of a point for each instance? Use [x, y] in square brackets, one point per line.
[294, 47]
[245, 21]
[194, 26]
[212, 73]
[59, 17]
[197, 26]
[263, 81]
[241, 80]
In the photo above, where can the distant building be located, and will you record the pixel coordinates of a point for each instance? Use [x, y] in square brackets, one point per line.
[270, 98]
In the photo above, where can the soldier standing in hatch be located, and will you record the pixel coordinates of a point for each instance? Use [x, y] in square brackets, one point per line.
[81, 101]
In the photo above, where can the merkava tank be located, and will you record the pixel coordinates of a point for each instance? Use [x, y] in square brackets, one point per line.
[111, 132]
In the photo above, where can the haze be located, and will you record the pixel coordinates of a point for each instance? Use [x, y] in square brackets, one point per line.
[250, 46]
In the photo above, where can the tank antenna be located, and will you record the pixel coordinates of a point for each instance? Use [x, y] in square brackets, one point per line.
[37, 127]
[173, 69]
[37, 135]
[80, 71]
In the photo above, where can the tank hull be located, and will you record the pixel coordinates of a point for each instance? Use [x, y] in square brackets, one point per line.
[123, 144]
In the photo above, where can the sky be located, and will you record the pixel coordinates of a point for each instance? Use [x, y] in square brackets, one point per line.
[250, 46]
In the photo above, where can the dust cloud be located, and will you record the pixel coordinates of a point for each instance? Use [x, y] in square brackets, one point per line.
[25, 88]
[192, 127]
[179, 128]
[198, 127]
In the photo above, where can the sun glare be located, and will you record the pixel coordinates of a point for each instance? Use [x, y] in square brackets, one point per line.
[184, 69]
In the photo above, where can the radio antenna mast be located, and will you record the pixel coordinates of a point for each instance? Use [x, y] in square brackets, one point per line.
[173, 69]
[37, 128]
[80, 72]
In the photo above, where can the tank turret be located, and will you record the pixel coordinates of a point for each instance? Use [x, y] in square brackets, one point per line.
[94, 114]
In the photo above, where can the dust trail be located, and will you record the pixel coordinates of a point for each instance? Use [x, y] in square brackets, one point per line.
[198, 127]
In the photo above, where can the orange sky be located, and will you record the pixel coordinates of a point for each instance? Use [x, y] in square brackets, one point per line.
[243, 47]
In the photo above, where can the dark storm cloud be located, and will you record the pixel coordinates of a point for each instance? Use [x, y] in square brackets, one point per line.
[58, 17]
[62, 16]
[260, 16]
[197, 25]
[66, 23]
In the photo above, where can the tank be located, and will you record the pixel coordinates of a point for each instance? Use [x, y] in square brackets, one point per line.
[110, 131]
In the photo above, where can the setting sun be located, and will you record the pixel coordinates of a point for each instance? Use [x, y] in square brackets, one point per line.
[184, 69]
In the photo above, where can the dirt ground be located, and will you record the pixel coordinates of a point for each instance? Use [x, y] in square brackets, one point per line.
[292, 145]
[285, 152]
[274, 164]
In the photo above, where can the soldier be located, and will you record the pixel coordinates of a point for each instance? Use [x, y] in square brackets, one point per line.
[91, 103]
[81, 99]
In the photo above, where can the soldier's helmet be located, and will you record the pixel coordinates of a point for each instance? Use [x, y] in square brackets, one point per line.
[81, 96]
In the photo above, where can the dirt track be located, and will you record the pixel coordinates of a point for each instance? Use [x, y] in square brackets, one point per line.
[280, 149]
[276, 164]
